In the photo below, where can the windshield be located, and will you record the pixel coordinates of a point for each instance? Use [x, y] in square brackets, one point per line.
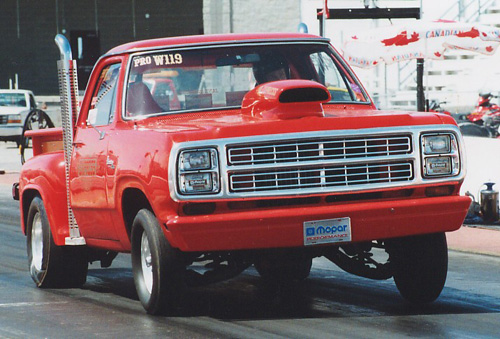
[220, 77]
[13, 100]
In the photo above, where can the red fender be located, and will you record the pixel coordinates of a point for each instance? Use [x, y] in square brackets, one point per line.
[45, 176]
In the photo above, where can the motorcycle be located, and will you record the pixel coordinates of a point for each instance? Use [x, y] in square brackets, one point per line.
[486, 114]
[435, 106]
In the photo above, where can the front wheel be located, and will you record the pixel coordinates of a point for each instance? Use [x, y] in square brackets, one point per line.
[420, 266]
[157, 269]
[51, 265]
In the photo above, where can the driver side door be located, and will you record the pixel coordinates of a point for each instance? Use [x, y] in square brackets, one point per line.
[90, 160]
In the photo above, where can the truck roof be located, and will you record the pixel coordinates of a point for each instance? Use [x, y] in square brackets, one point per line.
[16, 91]
[209, 40]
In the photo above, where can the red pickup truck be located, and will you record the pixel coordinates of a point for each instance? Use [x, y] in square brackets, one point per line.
[205, 155]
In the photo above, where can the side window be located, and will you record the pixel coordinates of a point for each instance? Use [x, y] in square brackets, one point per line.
[103, 102]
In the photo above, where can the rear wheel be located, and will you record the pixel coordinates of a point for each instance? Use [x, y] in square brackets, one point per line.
[51, 265]
[157, 269]
[420, 266]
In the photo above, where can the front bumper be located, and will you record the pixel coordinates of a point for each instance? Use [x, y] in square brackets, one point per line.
[283, 227]
[10, 132]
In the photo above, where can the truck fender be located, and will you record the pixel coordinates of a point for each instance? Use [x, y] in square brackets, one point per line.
[134, 194]
[44, 176]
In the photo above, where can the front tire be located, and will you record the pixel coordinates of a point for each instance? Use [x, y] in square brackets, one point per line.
[51, 265]
[157, 269]
[420, 266]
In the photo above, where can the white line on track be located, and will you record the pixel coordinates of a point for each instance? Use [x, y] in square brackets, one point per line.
[29, 304]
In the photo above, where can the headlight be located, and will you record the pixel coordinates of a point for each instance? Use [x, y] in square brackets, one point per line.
[435, 144]
[198, 171]
[440, 156]
[197, 183]
[438, 166]
[194, 160]
[14, 119]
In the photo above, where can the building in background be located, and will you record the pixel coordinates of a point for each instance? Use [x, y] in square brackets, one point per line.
[28, 53]
[243, 16]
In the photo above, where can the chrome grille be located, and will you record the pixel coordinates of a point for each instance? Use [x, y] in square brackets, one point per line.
[4, 119]
[328, 163]
[291, 151]
[321, 176]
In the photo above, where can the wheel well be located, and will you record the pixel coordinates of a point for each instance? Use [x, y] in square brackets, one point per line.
[28, 196]
[133, 201]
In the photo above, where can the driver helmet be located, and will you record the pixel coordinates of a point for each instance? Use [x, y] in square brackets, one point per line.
[271, 67]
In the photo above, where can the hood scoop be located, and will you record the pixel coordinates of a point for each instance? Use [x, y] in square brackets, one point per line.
[286, 99]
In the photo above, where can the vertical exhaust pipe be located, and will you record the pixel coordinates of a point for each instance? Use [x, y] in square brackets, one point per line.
[68, 91]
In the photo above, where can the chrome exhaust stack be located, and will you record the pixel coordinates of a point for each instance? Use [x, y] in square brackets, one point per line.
[68, 91]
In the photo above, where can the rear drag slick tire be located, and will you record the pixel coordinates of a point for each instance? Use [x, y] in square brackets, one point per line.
[51, 265]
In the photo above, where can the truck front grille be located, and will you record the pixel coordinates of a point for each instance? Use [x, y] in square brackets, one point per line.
[318, 150]
[321, 176]
[3, 119]
[317, 163]
[341, 164]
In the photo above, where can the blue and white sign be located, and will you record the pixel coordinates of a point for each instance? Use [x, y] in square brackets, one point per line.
[327, 231]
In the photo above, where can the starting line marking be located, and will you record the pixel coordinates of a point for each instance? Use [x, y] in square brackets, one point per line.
[23, 304]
